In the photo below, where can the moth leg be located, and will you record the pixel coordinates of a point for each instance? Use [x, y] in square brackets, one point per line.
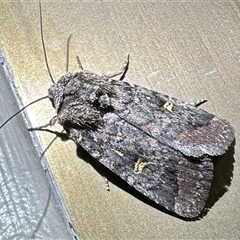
[101, 172]
[51, 123]
[79, 63]
[122, 71]
[200, 102]
[39, 128]
[61, 134]
[106, 182]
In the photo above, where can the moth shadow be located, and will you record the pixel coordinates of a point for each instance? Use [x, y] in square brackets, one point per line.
[222, 178]
[223, 172]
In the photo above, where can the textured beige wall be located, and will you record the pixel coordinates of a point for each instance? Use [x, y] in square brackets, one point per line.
[187, 50]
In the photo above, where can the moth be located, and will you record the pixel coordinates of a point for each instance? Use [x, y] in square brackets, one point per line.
[159, 145]
[163, 153]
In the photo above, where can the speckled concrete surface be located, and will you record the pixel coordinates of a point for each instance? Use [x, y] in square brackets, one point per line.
[187, 50]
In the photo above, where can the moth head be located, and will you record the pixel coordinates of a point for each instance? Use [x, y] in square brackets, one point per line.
[56, 91]
[55, 94]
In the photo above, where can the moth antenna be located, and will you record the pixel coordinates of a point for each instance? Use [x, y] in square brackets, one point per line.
[22, 110]
[43, 44]
[67, 61]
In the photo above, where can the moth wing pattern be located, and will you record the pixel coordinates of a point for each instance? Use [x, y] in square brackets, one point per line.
[157, 144]
[186, 128]
[169, 178]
